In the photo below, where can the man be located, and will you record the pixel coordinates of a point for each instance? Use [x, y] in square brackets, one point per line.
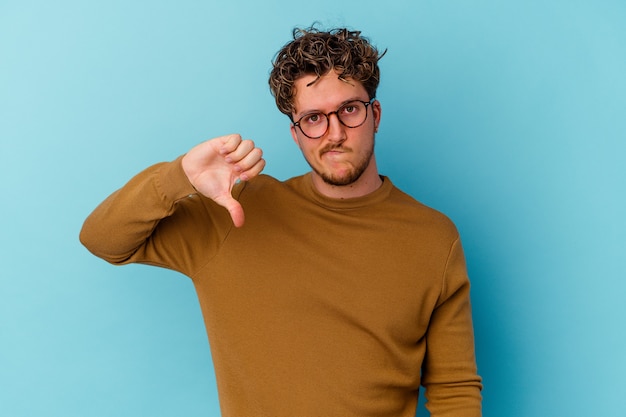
[337, 295]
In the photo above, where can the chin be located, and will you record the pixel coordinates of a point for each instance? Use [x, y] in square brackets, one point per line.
[342, 180]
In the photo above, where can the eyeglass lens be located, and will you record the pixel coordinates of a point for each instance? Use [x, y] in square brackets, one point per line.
[352, 114]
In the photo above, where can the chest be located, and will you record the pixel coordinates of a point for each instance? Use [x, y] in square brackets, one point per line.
[335, 272]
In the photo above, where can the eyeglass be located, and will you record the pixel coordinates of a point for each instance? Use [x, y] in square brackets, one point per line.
[351, 114]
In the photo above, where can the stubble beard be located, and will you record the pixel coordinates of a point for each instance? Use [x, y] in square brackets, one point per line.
[351, 176]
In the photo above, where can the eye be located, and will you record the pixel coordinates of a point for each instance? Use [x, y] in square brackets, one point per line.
[350, 109]
[312, 119]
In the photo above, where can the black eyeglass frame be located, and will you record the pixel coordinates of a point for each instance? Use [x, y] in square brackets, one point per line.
[336, 113]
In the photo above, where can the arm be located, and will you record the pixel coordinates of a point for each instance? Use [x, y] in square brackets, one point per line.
[449, 372]
[155, 214]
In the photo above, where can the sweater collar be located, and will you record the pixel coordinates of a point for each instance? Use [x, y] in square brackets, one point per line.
[377, 196]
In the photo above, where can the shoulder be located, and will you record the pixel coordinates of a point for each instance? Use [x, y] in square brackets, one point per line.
[421, 215]
[266, 187]
[262, 182]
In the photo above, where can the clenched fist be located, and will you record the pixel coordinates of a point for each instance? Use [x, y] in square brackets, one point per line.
[213, 167]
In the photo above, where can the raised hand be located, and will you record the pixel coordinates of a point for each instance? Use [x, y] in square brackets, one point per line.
[213, 167]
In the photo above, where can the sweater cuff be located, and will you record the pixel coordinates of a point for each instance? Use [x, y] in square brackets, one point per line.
[173, 181]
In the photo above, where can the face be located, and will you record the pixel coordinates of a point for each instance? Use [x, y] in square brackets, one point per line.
[343, 156]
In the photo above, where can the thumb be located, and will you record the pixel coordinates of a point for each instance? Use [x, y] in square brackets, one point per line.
[234, 208]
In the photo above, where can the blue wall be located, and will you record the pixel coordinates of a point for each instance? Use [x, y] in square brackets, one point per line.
[508, 116]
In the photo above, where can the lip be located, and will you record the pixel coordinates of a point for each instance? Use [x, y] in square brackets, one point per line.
[332, 155]
[335, 151]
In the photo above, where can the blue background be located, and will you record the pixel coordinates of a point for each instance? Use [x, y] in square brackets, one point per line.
[509, 116]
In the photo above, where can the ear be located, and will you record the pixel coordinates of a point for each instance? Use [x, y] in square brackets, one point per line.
[294, 134]
[378, 111]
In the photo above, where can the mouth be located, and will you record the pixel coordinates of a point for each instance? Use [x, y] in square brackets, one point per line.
[333, 151]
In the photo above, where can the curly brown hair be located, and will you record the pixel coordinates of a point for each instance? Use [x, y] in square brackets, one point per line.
[317, 52]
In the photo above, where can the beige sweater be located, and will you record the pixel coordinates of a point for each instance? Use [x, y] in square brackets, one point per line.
[316, 307]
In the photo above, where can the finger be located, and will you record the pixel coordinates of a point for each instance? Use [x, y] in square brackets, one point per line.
[249, 160]
[242, 150]
[253, 171]
[229, 143]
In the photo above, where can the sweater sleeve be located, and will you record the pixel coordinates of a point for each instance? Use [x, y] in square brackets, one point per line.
[155, 219]
[449, 371]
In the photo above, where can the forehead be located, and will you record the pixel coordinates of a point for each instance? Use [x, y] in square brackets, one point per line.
[326, 92]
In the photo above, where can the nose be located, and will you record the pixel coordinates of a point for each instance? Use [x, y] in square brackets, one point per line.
[336, 130]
